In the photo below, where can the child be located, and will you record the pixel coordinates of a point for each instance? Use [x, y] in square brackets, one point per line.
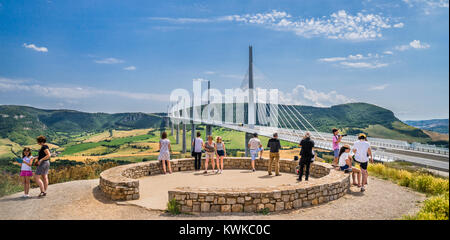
[345, 164]
[25, 171]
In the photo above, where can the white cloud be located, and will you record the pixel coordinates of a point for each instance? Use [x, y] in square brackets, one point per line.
[428, 6]
[370, 65]
[12, 85]
[109, 61]
[416, 44]
[378, 88]
[35, 48]
[301, 95]
[209, 72]
[353, 61]
[399, 25]
[339, 25]
[388, 52]
[332, 59]
[130, 68]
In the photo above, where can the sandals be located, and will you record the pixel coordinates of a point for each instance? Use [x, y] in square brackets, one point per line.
[42, 194]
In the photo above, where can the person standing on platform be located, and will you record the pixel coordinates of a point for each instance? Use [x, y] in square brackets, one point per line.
[306, 155]
[164, 152]
[197, 146]
[336, 140]
[363, 153]
[255, 146]
[275, 146]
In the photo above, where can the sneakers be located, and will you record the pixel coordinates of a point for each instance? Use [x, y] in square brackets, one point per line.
[363, 189]
[205, 172]
[254, 170]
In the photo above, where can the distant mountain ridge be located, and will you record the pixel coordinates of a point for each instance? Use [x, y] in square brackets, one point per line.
[22, 124]
[435, 125]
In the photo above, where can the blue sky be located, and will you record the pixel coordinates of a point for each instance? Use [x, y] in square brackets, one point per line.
[126, 56]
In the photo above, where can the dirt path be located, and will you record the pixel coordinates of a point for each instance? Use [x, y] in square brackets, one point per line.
[83, 200]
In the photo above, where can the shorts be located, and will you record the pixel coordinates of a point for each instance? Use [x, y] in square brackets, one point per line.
[42, 169]
[363, 165]
[210, 155]
[336, 153]
[345, 167]
[221, 153]
[26, 173]
[254, 153]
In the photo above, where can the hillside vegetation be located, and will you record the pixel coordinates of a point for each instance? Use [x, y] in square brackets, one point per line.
[435, 125]
[22, 124]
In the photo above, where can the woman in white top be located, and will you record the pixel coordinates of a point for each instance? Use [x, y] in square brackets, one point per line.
[164, 152]
[221, 152]
[26, 171]
[345, 164]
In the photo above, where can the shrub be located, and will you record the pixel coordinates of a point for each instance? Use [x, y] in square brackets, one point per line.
[10, 184]
[418, 181]
[264, 211]
[173, 207]
[434, 208]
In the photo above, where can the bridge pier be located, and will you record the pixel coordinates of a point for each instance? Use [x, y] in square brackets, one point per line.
[177, 139]
[193, 134]
[171, 128]
[208, 130]
[184, 139]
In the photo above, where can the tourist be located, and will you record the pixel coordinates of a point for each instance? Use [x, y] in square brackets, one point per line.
[210, 148]
[25, 171]
[164, 152]
[275, 146]
[221, 152]
[197, 146]
[336, 140]
[255, 146]
[43, 164]
[345, 164]
[362, 151]
[306, 155]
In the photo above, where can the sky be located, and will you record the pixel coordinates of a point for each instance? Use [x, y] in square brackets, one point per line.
[127, 56]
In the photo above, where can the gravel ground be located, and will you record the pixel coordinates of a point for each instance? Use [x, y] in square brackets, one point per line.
[83, 200]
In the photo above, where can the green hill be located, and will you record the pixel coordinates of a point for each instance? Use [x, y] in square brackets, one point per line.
[22, 124]
[354, 118]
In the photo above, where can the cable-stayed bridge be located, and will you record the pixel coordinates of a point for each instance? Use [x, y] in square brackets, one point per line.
[257, 115]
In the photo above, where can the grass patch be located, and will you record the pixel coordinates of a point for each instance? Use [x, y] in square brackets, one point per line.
[173, 207]
[264, 211]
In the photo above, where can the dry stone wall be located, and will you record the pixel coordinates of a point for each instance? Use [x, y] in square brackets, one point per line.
[120, 183]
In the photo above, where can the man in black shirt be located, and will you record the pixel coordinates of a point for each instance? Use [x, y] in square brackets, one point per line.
[306, 154]
[274, 145]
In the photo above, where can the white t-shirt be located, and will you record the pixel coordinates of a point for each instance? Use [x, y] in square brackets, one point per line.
[254, 143]
[198, 142]
[343, 159]
[24, 166]
[361, 147]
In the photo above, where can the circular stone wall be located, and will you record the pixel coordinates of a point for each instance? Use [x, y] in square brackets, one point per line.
[120, 183]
